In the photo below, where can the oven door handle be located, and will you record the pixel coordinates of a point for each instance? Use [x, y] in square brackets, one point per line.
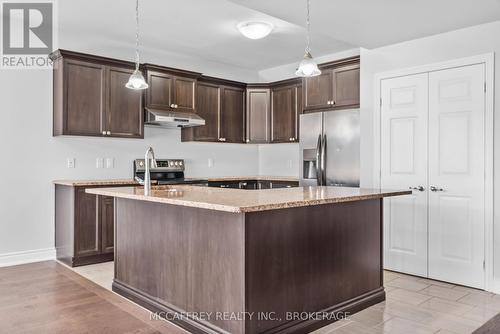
[139, 180]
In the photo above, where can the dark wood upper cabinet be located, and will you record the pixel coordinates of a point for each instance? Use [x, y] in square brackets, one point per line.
[159, 94]
[232, 115]
[286, 106]
[221, 103]
[208, 107]
[346, 86]
[185, 94]
[258, 115]
[83, 97]
[90, 97]
[336, 87]
[170, 89]
[125, 117]
[318, 91]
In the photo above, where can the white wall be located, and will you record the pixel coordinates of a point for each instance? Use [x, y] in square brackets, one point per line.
[452, 45]
[279, 159]
[32, 158]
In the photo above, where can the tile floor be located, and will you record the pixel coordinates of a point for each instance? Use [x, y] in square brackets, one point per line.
[413, 305]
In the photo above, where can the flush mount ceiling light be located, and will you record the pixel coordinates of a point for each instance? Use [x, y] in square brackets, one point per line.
[255, 30]
[136, 80]
[308, 67]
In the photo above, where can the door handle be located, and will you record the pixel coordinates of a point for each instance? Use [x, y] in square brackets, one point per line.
[419, 188]
[318, 162]
[323, 160]
[436, 189]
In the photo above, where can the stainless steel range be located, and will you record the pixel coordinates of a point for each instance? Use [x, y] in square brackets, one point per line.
[167, 171]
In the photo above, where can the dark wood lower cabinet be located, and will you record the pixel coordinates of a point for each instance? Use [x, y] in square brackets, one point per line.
[84, 225]
[106, 212]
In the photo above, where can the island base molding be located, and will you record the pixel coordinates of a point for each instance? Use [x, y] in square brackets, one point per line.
[178, 317]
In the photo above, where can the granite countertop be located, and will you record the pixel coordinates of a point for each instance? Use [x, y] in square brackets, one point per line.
[238, 200]
[248, 178]
[88, 183]
[122, 182]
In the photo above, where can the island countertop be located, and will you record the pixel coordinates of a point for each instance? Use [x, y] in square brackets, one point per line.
[239, 201]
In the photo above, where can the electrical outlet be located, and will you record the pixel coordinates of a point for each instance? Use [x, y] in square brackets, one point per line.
[289, 163]
[110, 162]
[210, 162]
[70, 162]
[99, 163]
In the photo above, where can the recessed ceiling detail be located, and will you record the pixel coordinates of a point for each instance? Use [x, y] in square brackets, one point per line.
[207, 29]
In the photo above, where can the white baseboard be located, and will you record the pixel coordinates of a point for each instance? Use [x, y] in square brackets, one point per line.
[37, 255]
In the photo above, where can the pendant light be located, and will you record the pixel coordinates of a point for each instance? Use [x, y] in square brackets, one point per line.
[136, 80]
[308, 67]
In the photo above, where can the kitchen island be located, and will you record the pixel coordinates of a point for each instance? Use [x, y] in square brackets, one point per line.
[249, 261]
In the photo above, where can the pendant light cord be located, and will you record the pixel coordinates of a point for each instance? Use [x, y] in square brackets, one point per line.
[137, 35]
[308, 38]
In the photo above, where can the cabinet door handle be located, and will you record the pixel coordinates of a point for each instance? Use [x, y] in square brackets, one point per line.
[172, 105]
[104, 133]
[176, 106]
[248, 140]
[108, 133]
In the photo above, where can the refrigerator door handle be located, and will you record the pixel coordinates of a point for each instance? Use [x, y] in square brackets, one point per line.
[323, 160]
[319, 172]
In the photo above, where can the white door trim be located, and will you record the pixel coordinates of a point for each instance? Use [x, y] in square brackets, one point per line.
[489, 60]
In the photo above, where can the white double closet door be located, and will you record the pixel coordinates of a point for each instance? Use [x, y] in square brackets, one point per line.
[433, 140]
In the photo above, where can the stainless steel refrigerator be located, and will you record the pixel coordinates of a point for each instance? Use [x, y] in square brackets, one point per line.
[329, 148]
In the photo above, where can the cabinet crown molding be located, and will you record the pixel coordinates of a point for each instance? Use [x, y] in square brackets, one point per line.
[171, 70]
[61, 53]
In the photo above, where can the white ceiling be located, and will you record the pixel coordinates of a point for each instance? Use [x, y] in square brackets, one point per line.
[207, 29]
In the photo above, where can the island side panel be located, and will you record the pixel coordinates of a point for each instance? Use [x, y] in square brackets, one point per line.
[172, 257]
[315, 258]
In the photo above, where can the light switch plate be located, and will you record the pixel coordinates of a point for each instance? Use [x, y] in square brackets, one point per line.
[70, 162]
[210, 162]
[289, 163]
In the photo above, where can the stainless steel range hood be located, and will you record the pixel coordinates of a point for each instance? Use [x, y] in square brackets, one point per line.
[171, 119]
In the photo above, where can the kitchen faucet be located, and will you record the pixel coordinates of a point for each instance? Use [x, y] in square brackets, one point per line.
[149, 164]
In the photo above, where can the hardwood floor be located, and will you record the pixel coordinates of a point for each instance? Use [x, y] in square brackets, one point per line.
[47, 297]
[413, 305]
